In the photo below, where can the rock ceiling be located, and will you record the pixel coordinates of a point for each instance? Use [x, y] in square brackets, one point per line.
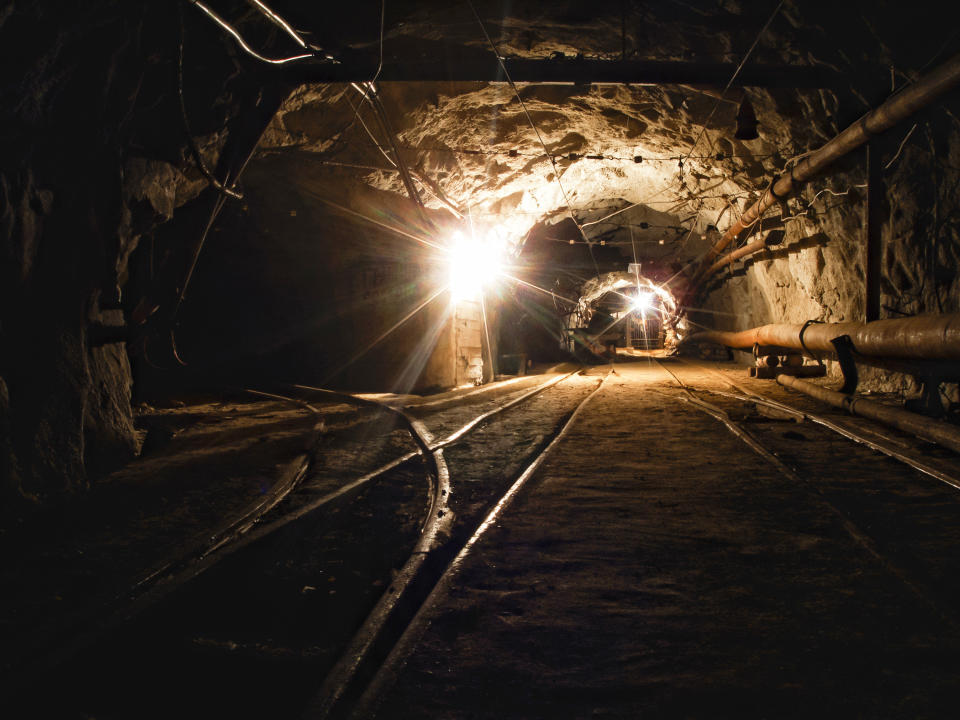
[665, 153]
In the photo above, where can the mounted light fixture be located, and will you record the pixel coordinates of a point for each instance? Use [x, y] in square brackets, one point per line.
[746, 122]
[643, 302]
[474, 264]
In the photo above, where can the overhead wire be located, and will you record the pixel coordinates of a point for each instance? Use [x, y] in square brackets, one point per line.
[733, 77]
[900, 149]
[279, 22]
[523, 105]
[230, 30]
[191, 142]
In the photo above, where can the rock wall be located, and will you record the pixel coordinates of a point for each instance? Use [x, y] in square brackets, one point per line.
[92, 158]
[303, 281]
[818, 271]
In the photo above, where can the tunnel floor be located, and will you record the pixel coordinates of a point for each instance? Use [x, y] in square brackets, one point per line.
[654, 566]
[658, 567]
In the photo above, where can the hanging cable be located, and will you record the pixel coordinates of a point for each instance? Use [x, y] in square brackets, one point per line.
[900, 149]
[383, 14]
[553, 162]
[734, 77]
[191, 142]
[239, 38]
[279, 22]
[374, 99]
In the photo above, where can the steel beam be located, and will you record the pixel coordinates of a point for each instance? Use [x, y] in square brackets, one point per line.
[457, 67]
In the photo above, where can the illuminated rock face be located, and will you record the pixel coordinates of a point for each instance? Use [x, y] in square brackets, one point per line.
[95, 171]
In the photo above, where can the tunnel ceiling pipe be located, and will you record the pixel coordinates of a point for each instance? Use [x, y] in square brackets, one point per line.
[923, 337]
[747, 250]
[910, 422]
[893, 111]
[451, 63]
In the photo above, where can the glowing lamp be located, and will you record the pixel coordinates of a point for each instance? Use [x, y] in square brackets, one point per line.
[643, 302]
[473, 265]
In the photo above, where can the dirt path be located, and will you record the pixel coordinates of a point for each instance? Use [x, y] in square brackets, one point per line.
[657, 567]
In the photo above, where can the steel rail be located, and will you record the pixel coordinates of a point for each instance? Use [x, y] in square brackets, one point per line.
[855, 533]
[881, 447]
[209, 559]
[174, 574]
[166, 574]
[885, 449]
[249, 517]
[386, 673]
[241, 522]
[342, 674]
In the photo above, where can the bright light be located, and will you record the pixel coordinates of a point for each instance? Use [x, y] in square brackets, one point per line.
[643, 302]
[474, 265]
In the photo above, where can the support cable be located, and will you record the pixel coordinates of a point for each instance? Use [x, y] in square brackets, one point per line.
[734, 77]
[191, 142]
[553, 162]
[230, 30]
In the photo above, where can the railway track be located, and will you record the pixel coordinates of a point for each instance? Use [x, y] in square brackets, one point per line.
[904, 558]
[182, 591]
[348, 691]
[881, 442]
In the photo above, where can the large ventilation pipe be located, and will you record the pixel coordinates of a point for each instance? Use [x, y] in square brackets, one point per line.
[924, 337]
[893, 111]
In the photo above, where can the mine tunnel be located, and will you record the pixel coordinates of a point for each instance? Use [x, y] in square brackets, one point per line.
[479, 359]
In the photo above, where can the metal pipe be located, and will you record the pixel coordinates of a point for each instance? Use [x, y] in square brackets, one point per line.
[923, 337]
[938, 432]
[892, 111]
[749, 249]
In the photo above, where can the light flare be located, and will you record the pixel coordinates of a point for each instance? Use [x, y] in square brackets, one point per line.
[474, 264]
[643, 302]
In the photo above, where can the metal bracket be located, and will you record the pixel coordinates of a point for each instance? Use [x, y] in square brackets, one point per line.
[843, 346]
[807, 350]
[929, 402]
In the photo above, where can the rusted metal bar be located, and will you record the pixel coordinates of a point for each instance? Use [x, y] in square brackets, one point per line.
[894, 110]
[933, 430]
[923, 337]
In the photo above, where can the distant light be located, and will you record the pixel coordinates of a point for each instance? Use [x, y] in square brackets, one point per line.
[643, 302]
[474, 264]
